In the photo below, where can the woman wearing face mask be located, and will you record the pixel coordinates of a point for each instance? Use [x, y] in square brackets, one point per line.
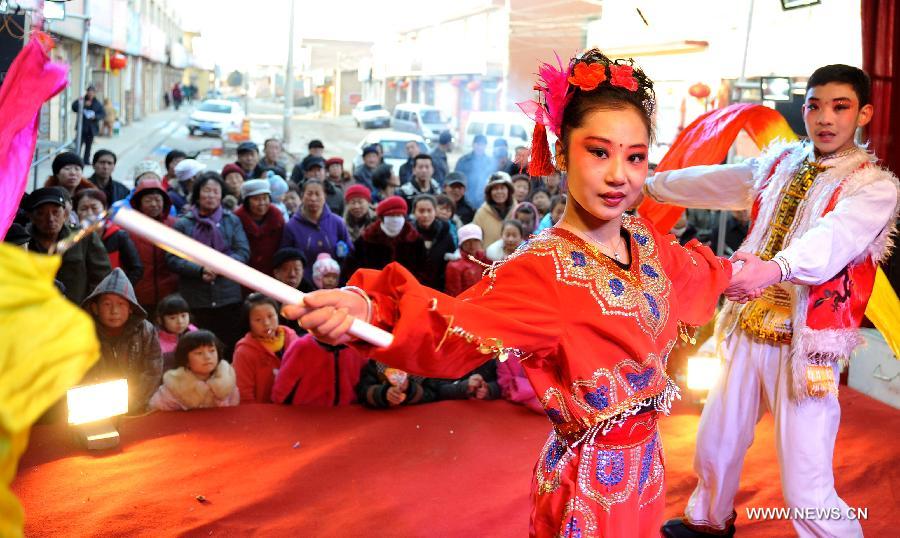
[315, 229]
[89, 204]
[391, 238]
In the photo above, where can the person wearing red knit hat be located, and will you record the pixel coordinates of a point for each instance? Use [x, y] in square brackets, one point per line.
[390, 238]
[358, 212]
[233, 176]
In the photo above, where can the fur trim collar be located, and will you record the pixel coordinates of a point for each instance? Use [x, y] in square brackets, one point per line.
[194, 392]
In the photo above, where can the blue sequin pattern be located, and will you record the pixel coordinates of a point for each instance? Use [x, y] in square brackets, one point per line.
[578, 259]
[616, 287]
[649, 271]
[640, 238]
[641, 380]
[599, 398]
[654, 307]
[554, 454]
[555, 416]
[572, 528]
[610, 467]
[646, 463]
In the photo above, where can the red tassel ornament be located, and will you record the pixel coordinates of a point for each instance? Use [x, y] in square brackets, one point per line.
[541, 163]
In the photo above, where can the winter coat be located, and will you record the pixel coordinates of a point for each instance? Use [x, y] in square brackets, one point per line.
[264, 238]
[334, 197]
[256, 366]
[355, 228]
[83, 183]
[315, 373]
[441, 166]
[438, 242]
[362, 174]
[221, 291]
[158, 280]
[464, 273]
[464, 211]
[92, 125]
[123, 253]
[374, 249]
[515, 387]
[457, 389]
[477, 169]
[114, 190]
[490, 222]
[83, 266]
[371, 391]
[314, 238]
[409, 191]
[182, 390]
[132, 353]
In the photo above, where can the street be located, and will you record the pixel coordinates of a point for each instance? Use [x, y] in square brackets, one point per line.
[153, 137]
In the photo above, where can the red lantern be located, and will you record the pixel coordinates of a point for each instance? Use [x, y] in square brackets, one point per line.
[474, 85]
[405, 83]
[699, 90]
[456, 82]
[118, 61]
[392, 84]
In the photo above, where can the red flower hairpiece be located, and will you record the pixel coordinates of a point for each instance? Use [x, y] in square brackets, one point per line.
[623, 77]
[588, 76]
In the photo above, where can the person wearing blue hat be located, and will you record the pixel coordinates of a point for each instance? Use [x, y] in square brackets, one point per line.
[477, 166]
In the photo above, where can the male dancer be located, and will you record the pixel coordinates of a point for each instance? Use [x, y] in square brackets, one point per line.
[822, 216]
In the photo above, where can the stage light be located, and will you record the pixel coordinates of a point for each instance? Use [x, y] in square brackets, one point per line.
[91, 408]
[702, 372]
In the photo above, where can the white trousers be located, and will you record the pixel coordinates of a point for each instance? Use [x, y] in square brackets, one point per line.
[756, 376]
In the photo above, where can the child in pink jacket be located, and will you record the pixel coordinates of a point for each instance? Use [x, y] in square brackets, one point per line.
[515, 387]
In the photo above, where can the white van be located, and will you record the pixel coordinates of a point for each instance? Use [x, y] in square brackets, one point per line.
[423, 120]
[515, 127]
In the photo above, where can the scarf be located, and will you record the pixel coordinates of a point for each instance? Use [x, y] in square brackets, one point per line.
[274, 344]
[206, 230]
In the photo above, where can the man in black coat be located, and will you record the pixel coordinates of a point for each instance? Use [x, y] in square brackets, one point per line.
[92, 114]
[104, 164]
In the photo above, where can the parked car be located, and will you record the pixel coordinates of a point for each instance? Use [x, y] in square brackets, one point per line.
[394, 144]
[423, 120]
[369, 114]
[215, 116]
[515, 127]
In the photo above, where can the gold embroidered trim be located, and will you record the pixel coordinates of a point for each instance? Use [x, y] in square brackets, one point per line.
[486, 346]
[770, 318]
[792, 196]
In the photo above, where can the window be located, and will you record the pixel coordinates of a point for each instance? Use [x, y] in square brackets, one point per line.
[431, 116]
[475, 128]
[218, 108]
[413, 117]
[517, 131]
[494, 129]
[369, 108]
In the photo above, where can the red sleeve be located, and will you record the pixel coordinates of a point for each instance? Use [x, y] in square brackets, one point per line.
[245, 373]
[452, 280]
[698, 278]
[512, 313]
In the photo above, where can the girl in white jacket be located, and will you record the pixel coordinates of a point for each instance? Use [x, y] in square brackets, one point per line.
[200, 377]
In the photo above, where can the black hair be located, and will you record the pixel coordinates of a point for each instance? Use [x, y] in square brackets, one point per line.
[844, 74]
[170, 305]
[381, 175]
[257, 299]
[515, 224]
[315, 143]
[537, 189]
[190, 341]
[270, 140]
[420, 157]
[607, 96]
[202, 179]
[174, 154]
[444, 200]
[101, 153]
[94, 194]
[556, 200]
[424, 198]
[306, 183]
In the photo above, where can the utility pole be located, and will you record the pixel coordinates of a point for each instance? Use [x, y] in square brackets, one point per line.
[289, 84]
[85, 34]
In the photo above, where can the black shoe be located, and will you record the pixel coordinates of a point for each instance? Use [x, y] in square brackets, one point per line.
[676, 528]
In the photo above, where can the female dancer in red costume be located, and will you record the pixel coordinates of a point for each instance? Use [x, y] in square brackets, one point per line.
[591, 307]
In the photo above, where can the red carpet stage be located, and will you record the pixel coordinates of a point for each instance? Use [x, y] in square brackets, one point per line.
[446, 469]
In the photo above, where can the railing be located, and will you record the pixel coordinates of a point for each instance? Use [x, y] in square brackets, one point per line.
[40, 160]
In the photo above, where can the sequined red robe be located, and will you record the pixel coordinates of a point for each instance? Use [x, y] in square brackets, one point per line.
[593, 339]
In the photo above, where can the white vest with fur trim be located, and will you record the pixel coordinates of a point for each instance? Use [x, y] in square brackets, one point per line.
[825, 318]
